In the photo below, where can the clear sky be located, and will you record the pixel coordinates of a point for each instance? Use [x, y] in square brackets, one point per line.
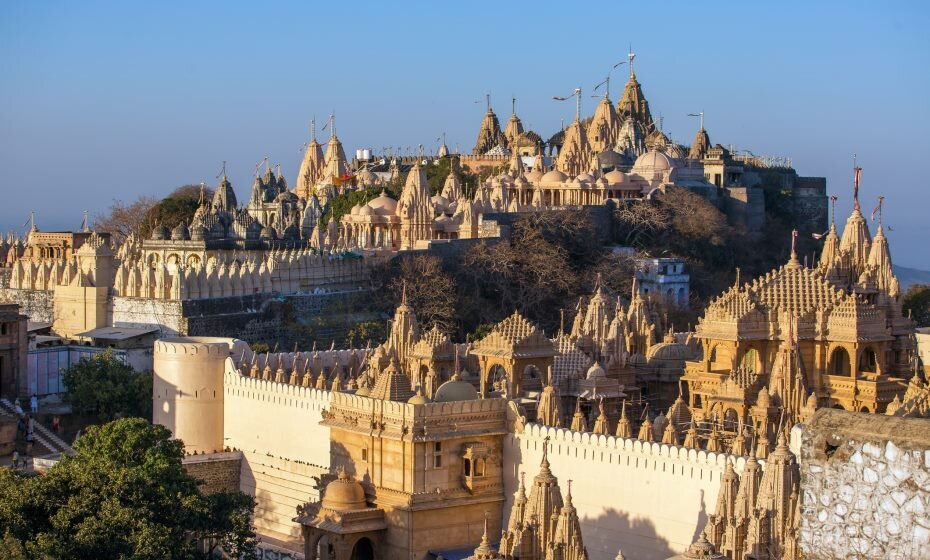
[112, 100]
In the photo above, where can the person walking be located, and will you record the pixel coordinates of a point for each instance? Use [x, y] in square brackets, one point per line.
[34, 403]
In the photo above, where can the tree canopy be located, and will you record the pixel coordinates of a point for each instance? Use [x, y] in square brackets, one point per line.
[142, 215]
[125, 494]
[917, 303]
[104, 386]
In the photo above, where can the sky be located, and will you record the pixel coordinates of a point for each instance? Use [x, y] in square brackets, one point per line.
[112, 100]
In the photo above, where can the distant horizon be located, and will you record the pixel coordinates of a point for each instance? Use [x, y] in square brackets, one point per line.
[96, 106]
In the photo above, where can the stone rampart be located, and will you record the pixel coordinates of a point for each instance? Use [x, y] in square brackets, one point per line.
[866, 485]
[649, 500]
[218, 472]
[277, 428]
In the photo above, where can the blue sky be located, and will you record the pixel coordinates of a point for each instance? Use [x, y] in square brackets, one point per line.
[104, 100]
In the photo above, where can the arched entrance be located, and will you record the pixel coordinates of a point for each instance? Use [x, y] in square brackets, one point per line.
[363, 550]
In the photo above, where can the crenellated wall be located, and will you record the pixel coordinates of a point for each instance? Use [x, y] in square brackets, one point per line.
[277, 428]
[647, 499]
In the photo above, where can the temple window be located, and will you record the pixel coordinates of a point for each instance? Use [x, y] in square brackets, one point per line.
[868, 361]
[839, 362]
[437, 455]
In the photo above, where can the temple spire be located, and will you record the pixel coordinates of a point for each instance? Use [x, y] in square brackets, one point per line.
[793, 261]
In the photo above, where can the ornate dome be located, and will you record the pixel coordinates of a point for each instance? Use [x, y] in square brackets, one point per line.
[365, 211]
[455, 389]
[383, 205]
[534, 176]
[268, 232]
[180, 232]
[419, 398]
[554, 177]
[160, 233]
[584, 178]
[653, 160]
[596, 371]
[669, 351]
[344, 494]
[616, 178]
[637, 360]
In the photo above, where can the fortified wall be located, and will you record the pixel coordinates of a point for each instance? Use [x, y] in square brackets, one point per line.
[649, 500]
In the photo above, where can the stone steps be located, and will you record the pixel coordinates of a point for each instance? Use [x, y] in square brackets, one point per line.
[43, 435]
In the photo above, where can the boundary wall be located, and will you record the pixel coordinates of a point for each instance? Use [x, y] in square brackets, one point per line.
[284, 449]
[649, 500]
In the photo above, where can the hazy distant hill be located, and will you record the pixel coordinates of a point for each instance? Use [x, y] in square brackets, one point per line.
[908, 276]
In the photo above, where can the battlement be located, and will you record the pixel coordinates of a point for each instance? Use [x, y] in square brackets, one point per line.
[195, 346]
[568, 442]
[284, 394]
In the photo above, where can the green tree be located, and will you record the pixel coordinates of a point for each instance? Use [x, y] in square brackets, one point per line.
[106, 387]
[917, 303]
[177, 207]
[124, 494]
[363, 332]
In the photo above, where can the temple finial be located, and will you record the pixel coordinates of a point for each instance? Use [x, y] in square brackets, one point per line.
[631, 56]
[833, 198]
[857, 171]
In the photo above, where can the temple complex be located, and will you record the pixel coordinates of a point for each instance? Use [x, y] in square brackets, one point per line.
[799, 338]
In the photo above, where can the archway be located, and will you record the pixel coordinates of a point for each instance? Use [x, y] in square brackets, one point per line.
[839, 362]
[363, 550]
[498, 379]
[868, 361]
[730, 420]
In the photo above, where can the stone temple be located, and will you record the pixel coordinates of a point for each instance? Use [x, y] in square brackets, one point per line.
[519, 445]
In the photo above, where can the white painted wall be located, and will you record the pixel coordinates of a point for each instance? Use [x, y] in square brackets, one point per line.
[277, 427]
[647, 499]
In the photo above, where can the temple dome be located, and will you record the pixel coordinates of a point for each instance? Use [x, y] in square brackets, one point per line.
[669, 351]
[365, 211]
[653, 160]
[268, 232]
[456, 389]
[344, 494]
[596, 371]
[180, 232]
[554, 177]
[383, 205]
[161, 233]
[616, 177]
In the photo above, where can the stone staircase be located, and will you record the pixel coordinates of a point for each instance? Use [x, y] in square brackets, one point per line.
[44, 437]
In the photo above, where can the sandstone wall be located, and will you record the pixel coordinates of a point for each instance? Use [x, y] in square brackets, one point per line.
[866, 484]
[647, 499]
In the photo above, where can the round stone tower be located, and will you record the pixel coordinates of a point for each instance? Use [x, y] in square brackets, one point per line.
[187, 390]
